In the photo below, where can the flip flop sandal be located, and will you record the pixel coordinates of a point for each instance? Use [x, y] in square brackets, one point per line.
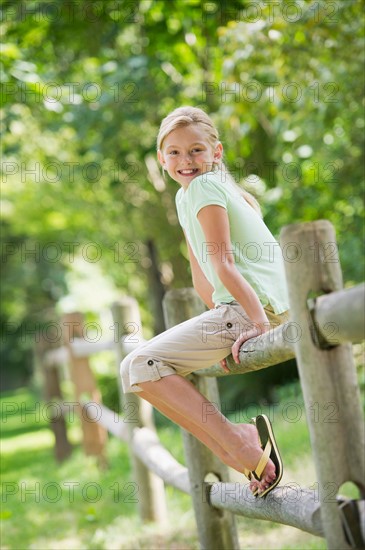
[268, 444]
[271, 451]
[248, 473]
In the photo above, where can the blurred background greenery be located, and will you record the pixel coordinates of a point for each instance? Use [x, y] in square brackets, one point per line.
[78, 506]
[86, 215]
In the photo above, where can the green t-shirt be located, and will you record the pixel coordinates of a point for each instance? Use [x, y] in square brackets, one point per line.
[258, 256]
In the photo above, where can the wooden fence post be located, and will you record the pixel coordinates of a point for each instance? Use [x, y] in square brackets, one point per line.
[53, 393]
[139, 413]
[328, 376]
[94, 435]
[216, 528]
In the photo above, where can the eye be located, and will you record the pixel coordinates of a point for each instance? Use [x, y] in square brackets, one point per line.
[173, 152]
[197, 149]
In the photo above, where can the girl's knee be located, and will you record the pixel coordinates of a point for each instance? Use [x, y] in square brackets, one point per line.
[124, 366]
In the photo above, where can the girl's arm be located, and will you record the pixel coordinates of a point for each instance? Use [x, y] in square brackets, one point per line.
[200, 282]
[215, 224]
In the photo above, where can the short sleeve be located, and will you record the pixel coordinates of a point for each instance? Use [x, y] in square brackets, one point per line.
[179, 210]
[205, 190]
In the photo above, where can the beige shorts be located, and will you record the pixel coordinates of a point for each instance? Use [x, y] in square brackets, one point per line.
[197, 343]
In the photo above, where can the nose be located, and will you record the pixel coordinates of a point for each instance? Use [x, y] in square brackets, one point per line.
[187, 158]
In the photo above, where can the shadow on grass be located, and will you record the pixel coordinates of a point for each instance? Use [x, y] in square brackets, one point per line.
[7, 433]
[22, 461]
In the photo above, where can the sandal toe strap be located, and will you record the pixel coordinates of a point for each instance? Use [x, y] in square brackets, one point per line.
[263, 460]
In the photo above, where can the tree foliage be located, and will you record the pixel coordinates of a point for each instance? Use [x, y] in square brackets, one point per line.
[85, 86]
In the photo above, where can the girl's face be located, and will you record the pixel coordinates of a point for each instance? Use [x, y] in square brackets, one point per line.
[186, 153]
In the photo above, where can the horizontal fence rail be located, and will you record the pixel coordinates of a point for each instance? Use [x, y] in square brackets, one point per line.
[269, 349]
[80, 348]
[294, 506]
[147, 446]
[282, 505]
[332, 314]
[314, 335]
[339, 317]
[289, 504]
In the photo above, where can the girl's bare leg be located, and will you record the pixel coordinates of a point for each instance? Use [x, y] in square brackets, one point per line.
[199, 433]
[184, 401]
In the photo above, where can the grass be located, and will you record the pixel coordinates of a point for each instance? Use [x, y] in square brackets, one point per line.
[76, 505]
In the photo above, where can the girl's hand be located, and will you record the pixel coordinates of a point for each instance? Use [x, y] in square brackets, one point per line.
[243, 337]
[223, 364]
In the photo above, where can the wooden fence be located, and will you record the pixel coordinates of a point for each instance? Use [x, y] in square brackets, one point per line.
[324, 320]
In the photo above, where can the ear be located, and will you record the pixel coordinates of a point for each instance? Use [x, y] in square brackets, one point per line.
[161, 158]
[218, 151]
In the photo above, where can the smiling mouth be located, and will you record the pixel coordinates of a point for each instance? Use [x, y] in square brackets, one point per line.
[189, 172]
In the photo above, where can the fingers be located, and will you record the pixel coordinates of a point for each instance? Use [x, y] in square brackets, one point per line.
[235, 350]
[237, 346]
[243, 337]
[223, 364]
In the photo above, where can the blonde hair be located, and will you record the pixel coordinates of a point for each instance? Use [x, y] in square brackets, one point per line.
[184, 116]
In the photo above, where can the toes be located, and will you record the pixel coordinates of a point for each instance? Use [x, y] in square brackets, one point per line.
[263, 488]
[258, 487]
[254, 486]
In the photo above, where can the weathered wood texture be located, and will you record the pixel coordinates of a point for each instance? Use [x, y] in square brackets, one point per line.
[328, 376]
[296, 506]
[94, 435]
[323, 315]
[80, 348]
[291, 505]
[53, 396]
[216, 530]
[287, 504]
[147, 446]
[340, 316]
[273, 347]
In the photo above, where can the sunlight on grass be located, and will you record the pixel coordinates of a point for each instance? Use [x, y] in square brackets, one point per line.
[41, 439]
[75, 505]
[123, 534]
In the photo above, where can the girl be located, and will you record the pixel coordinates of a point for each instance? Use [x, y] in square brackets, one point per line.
[238, 273]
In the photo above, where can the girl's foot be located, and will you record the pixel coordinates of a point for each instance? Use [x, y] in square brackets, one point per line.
[247, 452]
